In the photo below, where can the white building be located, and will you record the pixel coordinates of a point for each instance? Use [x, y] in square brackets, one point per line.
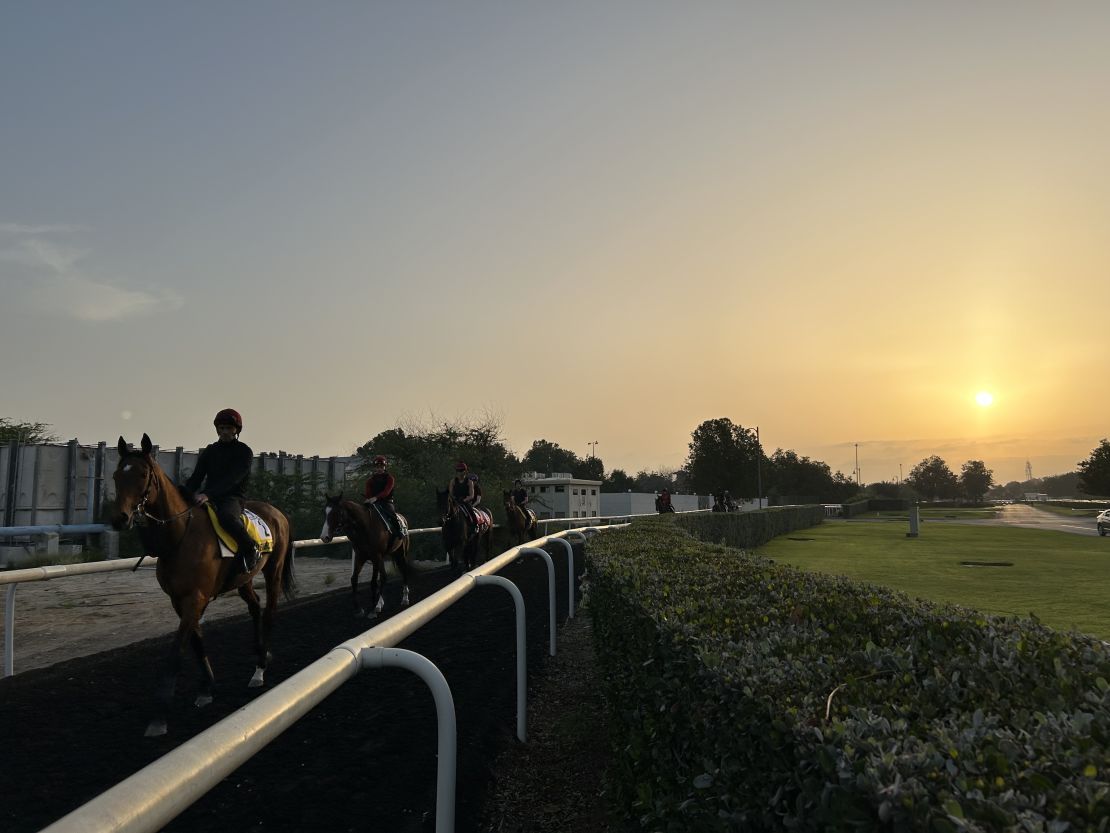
[559, 495]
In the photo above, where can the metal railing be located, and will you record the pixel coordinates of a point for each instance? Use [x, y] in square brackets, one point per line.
[152, 797]
[13, 578]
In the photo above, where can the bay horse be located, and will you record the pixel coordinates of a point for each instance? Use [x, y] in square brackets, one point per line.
[521, 522]
[371, 541]
[458, 532]
[190, 568]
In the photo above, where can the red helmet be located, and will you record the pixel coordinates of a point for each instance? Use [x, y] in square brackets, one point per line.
[378, 460]
[229, 416]
[460, 466]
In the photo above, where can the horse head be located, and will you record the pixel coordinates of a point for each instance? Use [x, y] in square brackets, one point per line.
[334, 518]
[137, 483]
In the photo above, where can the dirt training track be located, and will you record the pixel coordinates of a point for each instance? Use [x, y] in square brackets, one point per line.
[363, 759]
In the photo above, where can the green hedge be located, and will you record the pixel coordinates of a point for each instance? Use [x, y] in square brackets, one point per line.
[719, 669]
[748, 530]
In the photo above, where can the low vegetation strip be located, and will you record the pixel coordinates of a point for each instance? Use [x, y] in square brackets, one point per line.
[749, 695]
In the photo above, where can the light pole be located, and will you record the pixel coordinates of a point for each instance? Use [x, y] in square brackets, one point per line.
[857, 466]
[593, 448]
[758, 467]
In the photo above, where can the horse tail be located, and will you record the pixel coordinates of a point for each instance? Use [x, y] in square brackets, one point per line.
[288, 580]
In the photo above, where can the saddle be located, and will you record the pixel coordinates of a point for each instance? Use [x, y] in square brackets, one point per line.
[402, 522]
[484, 521]
[257, 529]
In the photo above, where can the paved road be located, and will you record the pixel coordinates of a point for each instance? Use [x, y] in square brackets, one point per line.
[1019, 514]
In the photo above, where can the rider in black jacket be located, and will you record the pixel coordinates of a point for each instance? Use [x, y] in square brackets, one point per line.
[222, 471]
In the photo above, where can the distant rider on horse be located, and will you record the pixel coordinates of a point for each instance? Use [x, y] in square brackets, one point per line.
[378, 496]
[223, 469]
[464, 491]
[663, 502]
[520, 495]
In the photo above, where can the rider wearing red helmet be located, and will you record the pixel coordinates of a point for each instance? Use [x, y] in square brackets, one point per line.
[379, 492]
[223, 469]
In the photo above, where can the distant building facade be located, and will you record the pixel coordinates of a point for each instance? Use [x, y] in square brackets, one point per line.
[560, 495]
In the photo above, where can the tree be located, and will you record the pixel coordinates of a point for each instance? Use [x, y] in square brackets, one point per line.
[548, 457]
[723, 456]
[25, 432]
[423, 459]
[976, 479]
[787, 474]
[933, 479]
[617, 480]
[1094, 472]
[653, 481]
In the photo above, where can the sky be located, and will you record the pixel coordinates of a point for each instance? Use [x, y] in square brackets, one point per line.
[591, 221]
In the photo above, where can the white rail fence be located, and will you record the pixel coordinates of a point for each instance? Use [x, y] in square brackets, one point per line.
[155, 795]
[13, 578]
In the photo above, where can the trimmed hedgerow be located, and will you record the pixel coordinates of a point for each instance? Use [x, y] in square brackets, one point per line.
[747, 530]
[746, 695]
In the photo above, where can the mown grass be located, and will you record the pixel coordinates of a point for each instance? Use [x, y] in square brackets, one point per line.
[1060, 578]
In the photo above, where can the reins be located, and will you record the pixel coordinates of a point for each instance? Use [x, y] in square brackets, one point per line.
[140, 510]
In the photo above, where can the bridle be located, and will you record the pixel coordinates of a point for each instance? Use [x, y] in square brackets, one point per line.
[139, 515]
[335, 527]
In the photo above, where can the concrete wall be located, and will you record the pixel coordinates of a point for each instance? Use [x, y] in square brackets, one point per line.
[643, 503]
[69, 483]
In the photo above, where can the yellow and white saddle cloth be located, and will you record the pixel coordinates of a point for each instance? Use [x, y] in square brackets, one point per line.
[257, 528]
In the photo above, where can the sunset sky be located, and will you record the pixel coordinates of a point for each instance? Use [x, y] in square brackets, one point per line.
[592, 221]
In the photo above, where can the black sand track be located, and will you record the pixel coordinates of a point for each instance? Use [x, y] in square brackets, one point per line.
[364, 759]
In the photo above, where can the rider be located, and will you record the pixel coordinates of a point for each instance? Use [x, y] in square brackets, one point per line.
[462, 489]
[477, 490]
[520, 494]
[223, 470]
[664, 501]
[379, 491]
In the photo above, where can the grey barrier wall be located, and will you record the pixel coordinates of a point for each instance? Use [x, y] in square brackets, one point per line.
[69, 483]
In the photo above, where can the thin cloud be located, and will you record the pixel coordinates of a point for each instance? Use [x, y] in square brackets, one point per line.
[56, 284]
[20, 229]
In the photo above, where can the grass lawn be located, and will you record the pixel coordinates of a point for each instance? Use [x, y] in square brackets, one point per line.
[1063, 579]
[1067, 511]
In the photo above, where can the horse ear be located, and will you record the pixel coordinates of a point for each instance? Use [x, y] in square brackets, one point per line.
[147, 444]
[122, 447]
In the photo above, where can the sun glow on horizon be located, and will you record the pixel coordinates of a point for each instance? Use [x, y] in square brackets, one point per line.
[984, 399]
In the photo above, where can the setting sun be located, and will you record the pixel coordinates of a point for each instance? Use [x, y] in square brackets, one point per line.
[984, 398]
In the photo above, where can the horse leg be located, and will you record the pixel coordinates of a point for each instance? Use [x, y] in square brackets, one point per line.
[208, 679]
[189, 610]
[247, 594]
[377, 582]
[400, 559]
[360, 559]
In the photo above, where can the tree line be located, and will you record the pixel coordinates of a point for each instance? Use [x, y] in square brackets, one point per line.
[722, 456]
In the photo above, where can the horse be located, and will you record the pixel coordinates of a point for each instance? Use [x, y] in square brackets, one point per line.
[190, 569]
[521, 522]
[459, 534]
[371, 541]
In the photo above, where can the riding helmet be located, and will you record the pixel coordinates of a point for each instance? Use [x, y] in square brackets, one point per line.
[460, 466]
[378, 460]
[229, 416]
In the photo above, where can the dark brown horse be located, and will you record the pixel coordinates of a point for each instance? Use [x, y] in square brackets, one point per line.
[191, 570]
[520, 521]
[460, 537]
[371, 541]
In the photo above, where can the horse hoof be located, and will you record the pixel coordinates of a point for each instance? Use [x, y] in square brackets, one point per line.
[257, 679]
[155, 729]
[202, 700]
